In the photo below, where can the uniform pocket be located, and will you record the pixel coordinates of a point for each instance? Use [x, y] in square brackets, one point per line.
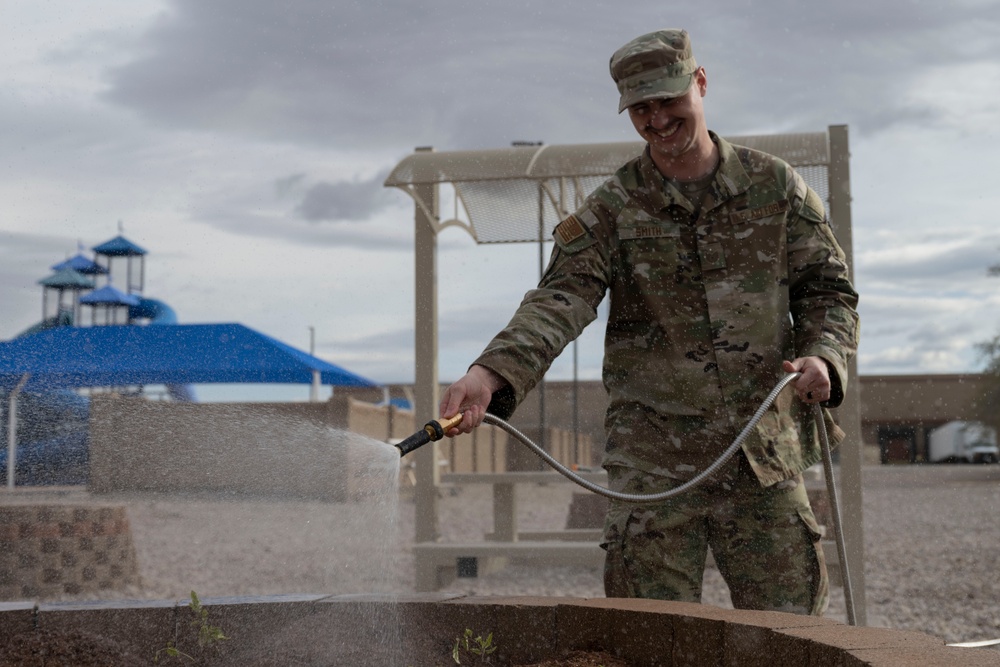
[616, 576]
[819, 577]
[650, 249]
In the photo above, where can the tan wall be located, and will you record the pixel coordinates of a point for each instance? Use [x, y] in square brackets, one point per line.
[926, 398]
[592, 403]
[920, 401]
[295, 449]
[283, 448]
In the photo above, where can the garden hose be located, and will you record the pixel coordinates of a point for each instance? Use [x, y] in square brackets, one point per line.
[435, 430]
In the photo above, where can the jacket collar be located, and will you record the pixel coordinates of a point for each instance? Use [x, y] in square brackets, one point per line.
[731, 179]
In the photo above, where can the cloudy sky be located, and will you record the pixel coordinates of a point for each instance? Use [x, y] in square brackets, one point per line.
[244, 144]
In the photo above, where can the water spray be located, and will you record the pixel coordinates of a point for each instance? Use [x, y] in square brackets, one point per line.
[435, 430]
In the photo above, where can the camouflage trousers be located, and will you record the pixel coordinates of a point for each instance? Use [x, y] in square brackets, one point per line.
[765, 541]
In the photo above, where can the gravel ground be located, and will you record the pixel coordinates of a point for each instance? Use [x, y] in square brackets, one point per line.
[932, 546]
[932, 551]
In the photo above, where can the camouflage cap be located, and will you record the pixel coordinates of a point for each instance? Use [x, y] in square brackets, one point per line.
[656, 65]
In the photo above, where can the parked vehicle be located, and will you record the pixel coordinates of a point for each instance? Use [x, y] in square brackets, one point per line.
[963, 442]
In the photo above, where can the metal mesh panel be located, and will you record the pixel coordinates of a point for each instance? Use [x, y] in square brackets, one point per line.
[513, 195]
[818, 178]
[798, 150]
[510, 211]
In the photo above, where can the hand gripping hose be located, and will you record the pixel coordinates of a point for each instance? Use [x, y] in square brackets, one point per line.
[711, 470]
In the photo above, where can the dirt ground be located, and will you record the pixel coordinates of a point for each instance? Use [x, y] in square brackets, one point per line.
[930, 551]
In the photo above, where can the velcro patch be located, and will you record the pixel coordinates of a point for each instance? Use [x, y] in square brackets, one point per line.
[766, 211]
[570, 229]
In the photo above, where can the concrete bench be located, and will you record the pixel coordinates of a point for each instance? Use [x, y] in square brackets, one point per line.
[437, 564]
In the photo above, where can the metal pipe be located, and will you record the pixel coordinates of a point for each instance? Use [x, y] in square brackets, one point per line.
[12, 429]
[831, 489]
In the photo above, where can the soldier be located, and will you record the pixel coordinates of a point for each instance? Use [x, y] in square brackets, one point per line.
[723, 274]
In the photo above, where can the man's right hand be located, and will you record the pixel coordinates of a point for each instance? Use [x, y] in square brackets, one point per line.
[470, 395]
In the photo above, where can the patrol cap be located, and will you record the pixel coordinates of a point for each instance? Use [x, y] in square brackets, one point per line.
[656, 65]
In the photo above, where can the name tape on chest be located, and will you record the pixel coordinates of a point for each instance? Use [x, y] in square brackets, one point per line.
[635, 232]
[570, 229]
[766, 211]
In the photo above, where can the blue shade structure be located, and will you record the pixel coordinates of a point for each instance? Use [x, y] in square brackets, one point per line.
[180, 354]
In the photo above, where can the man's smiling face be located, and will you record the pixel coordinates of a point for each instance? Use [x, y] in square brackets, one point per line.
[673, 126]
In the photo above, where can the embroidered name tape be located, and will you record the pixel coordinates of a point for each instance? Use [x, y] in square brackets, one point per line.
[765, 211]
[633, 232]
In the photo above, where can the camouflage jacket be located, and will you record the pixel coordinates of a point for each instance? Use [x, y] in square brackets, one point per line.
[703, 309]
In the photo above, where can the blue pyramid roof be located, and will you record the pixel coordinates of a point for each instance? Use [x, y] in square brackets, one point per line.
[81, 264]
[116, 355]
[109, 295]
[67, 279]
[119, 246]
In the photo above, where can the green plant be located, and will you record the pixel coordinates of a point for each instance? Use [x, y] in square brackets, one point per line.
[208, 635]
[477, 647]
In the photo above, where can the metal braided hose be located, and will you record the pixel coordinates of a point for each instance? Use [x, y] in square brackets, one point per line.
[711, 470]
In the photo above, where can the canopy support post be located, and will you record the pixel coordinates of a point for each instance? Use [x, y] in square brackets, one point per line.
[426, 387]
[849, 413]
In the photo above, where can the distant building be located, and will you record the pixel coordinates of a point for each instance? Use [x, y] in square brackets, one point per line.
[898, 412]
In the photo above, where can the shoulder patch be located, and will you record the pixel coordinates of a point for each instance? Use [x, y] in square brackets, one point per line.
[569, 230]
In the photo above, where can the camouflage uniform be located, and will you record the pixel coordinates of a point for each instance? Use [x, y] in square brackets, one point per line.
[705, 303]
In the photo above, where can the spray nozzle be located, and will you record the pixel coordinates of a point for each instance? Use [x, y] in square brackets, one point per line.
[432, 431]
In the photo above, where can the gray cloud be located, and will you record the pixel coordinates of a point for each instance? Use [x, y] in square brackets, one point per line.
[231, 112]
[291, 229]
[391, 73]
[344, 200]
[961, 265]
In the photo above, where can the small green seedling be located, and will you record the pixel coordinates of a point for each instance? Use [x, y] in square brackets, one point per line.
[208, 635]
[477, 648]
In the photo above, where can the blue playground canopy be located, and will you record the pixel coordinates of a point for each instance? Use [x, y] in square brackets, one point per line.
[107, 356]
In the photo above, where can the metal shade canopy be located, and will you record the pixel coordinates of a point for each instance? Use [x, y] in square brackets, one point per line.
[160, 354]
[519, 194]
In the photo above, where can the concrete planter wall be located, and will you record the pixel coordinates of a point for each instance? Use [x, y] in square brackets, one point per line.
[420, 631]
[51, 550]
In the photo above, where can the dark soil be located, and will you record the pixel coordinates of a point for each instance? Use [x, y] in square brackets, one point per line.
[583, 659]
[62, 648]
[73, 648]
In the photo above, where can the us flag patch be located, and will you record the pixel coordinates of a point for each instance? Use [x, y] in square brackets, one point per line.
[570, 229]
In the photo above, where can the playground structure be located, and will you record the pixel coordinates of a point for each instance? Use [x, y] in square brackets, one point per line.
[99, 333]
[54, 449]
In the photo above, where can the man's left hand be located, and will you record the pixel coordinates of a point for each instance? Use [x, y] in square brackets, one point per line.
[813, 386]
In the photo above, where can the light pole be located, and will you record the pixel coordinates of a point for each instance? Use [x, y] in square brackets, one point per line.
[314, 388]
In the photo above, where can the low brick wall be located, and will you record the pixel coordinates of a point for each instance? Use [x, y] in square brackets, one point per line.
[52, 550]
[421, 630]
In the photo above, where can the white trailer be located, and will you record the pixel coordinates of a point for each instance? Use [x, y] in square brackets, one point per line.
[962, 441]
